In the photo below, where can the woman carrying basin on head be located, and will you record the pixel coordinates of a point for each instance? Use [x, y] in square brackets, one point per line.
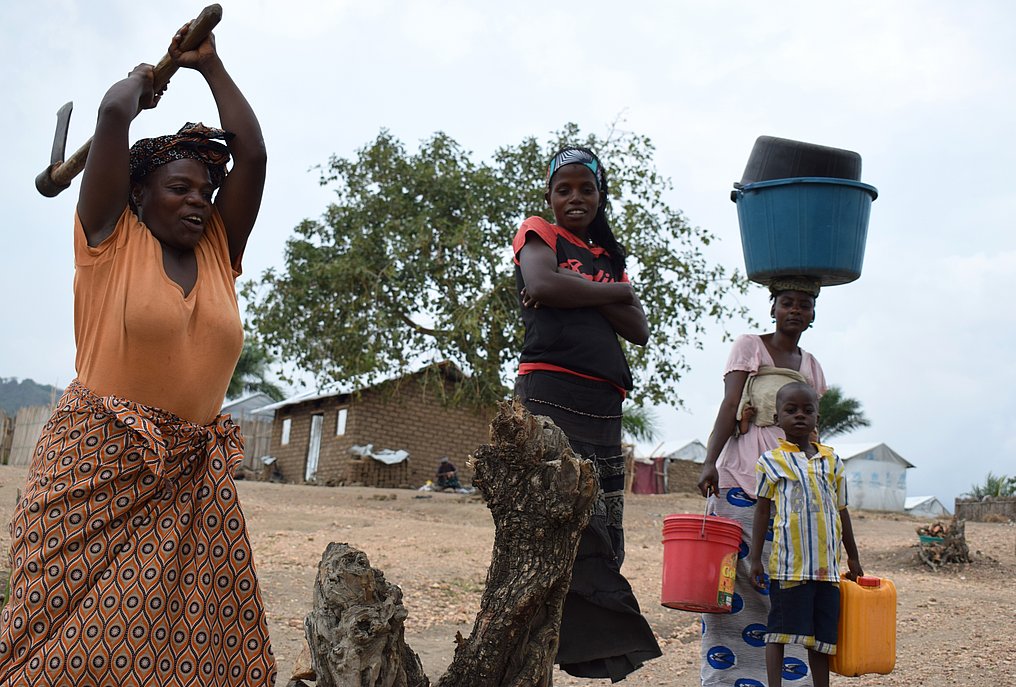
[733, 647]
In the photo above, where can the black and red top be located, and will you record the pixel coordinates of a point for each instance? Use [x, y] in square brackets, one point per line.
[578, 341]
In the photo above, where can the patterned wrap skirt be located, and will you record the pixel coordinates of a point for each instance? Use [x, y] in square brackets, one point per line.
[131, 563]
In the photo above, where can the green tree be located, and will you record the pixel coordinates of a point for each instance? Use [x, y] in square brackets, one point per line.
[412, 263]
[252, 370]
[639, 423]
[993, 485]
[839, 414]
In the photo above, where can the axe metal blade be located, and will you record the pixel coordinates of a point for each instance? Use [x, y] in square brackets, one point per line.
[63, 121]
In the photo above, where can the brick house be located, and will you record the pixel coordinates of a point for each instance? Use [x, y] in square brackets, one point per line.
[684, 460]
[672, 469]
[313, 434]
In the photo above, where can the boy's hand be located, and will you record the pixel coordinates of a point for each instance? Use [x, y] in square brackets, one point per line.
[759, 526]
[757, 575]
[854, 569]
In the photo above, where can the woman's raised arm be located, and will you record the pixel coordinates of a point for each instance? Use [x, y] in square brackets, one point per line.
[105, 182]
[239, 199]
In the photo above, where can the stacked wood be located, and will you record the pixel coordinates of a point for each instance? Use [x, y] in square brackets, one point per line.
[935, 529]
[943, 544]
[367, 472]
[541, 497]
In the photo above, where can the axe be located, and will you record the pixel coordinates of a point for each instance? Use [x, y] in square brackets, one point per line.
[58, 175]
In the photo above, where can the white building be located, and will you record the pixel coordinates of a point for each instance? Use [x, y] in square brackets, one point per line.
[876, 476]
[926, 507]
[249, 406]
[692, 449]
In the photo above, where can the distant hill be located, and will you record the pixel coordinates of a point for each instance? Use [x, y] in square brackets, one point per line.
[15, 394]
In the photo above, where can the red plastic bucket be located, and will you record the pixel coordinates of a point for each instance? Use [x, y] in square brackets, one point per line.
[699, 562]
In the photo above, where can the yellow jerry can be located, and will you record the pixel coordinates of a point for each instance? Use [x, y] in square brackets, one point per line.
[867, 630]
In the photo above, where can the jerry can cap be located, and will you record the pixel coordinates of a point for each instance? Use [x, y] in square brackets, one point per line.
[869, 581]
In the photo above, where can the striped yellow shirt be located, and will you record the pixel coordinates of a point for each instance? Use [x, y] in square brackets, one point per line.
[807, 495]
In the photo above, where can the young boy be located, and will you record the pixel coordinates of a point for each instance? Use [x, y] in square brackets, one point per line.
[805, 480]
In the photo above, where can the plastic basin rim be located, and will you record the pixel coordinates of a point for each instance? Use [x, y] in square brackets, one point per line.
[833, 181]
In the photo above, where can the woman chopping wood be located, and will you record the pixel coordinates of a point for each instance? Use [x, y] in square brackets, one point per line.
[130, 555]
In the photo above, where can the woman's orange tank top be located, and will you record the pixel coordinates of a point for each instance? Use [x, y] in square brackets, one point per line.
[139, 337]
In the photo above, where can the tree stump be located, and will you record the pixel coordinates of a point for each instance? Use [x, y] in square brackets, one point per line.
[356, 628]
[541, 497]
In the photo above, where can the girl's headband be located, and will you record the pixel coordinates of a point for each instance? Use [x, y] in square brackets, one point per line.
[578, 156]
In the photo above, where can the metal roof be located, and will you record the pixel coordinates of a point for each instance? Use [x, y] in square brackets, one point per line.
[353, 385]
[848, 451]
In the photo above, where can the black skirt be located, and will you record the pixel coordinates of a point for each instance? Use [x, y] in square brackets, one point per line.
[603, 632]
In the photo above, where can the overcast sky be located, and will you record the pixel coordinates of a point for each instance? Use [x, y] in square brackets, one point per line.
[924, 91]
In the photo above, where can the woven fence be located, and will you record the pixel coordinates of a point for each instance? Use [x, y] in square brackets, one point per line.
[257, 438]
[27, 427]
[683, 476]
[990, 508]
[6, 435]
[365, 471]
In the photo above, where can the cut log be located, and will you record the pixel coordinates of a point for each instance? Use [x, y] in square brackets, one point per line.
[356, 628]
[541, 497]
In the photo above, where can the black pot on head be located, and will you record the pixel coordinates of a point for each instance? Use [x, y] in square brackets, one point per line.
[782, 158]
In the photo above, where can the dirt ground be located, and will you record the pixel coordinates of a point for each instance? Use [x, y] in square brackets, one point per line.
[954, 627]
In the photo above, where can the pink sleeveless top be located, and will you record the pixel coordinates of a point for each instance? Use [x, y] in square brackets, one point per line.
[736, 464]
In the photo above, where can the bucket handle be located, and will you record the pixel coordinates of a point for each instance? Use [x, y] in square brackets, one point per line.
[710, 506]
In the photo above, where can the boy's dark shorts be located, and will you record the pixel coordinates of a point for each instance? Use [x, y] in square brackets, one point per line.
[806, 613]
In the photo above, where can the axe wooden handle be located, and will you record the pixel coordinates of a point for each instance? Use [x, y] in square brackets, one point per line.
[200, 27]
[58, 176]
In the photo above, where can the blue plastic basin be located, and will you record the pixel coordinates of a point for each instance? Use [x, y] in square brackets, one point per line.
[806, 226]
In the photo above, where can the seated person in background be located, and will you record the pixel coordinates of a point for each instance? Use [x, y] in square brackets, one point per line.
[446, 475]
